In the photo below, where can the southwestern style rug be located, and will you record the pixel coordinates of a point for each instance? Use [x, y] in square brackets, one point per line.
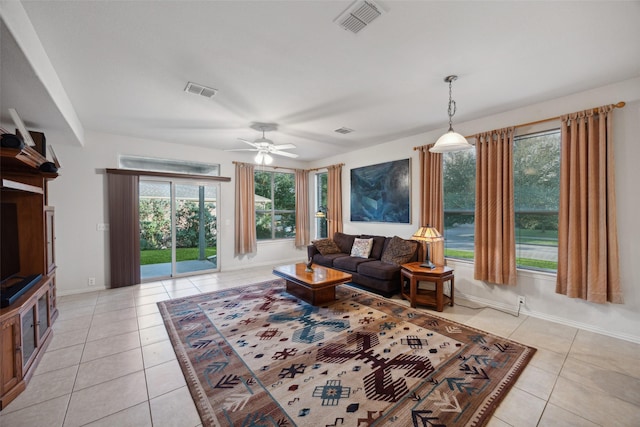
[257, 356]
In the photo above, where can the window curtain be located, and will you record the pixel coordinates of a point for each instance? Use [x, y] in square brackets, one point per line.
[587, 231]
[245, 215]
[303, 223]
[124, 229]
[431, 202]
[334, 200]
[495, 247]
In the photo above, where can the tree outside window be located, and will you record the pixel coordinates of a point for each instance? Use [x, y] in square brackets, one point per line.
[536, 187]
[275, 205]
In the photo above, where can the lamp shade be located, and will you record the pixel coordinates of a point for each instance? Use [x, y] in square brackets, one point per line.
[450, 141]
[427, 234]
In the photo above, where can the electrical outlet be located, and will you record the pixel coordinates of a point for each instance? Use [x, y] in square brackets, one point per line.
[521, 300]
[102, 227]
[91, 281]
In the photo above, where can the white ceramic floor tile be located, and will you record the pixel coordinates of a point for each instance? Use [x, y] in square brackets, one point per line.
[136, 416]
[157, 353]
[152, 298]
[93, 403]
[596, 407]
[536, 381]
[601, 380]
[520, 408]
[44, 387]
[554, 416]
[46, 414]
[153, 334]
[109, 367]
[110, 345]
[68, 339]
[117, 327]
[164, 378]
[112, 316]
[495, 322]
[145, 309]
[72, 324]
[58, 359]
[150, 320]
[175, 408]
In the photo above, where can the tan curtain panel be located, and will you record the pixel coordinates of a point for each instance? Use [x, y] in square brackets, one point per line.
[124, 229]
[245, 214]
[495, 258]
[334, 200]
[303, 222]
[588, 265]
[431, 200]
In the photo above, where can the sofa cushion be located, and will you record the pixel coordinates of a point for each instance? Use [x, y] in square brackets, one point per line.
[349, 263]
[344, 241]
[328, 260]
[378, 245]
[399, 251]
[361, 248]
[379, 270]
[326, 246]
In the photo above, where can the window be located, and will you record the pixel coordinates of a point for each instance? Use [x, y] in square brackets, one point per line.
[459, 188]
[321, 204]
[536, 175]
[536, 191]
[275, 201]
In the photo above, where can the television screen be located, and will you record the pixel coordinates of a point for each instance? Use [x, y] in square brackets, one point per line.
[10, 244]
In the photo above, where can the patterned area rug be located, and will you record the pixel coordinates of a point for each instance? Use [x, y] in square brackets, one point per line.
[257, 356]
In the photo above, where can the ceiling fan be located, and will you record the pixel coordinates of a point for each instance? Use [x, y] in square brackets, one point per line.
[265, 147]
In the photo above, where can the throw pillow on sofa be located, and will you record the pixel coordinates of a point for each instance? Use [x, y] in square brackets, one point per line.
[399, 251]
[344, 241]
[361, 248]
[326, 246]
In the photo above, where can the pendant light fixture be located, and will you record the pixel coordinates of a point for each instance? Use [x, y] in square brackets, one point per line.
[450, 141]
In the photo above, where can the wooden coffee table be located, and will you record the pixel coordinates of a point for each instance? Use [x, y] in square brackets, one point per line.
[317, 287]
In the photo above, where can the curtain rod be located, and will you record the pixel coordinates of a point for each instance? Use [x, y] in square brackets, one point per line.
[291, 169]
[620, 104]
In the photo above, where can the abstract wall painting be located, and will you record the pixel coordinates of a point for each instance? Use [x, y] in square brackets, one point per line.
[381, 193]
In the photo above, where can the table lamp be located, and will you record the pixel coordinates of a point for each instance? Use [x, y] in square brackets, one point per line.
[429, 235]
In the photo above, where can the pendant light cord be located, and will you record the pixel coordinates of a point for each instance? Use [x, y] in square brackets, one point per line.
[452, 105]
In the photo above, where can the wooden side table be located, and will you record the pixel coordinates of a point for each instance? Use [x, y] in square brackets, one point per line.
[416, 274]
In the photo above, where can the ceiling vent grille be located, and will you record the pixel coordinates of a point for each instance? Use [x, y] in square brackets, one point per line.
[361, 14]
[343, 130]
[196, 89]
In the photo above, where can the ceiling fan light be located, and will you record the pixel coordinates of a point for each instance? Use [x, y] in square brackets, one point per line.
[450, 141]
[259, 157]
[268, 159]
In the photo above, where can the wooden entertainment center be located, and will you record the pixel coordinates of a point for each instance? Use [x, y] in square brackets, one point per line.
[25, 324]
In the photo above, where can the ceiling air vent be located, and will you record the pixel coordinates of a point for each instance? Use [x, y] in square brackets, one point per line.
[343, 130]
[358, 16]
[196, 89]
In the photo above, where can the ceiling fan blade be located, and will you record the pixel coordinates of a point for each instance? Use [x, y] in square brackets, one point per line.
[243, 149]
[284, 153]
[248, 142]
[283, 147]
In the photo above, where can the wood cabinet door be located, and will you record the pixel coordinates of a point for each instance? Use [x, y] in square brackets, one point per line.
[50, 236]
[10, 366]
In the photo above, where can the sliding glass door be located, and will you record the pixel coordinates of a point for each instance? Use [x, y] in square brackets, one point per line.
[178, 228]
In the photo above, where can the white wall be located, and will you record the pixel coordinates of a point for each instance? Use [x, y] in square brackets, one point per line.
[619, 320]
[79, 195]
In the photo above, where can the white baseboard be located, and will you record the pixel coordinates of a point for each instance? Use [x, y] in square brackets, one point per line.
[579, 325]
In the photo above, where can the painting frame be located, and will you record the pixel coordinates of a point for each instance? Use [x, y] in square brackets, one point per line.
[381, 192]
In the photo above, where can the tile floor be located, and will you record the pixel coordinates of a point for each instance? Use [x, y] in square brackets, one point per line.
[110, 363]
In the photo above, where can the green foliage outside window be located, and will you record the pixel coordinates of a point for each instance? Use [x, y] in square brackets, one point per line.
[275, 205]
[155, 224]
[536, 175]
